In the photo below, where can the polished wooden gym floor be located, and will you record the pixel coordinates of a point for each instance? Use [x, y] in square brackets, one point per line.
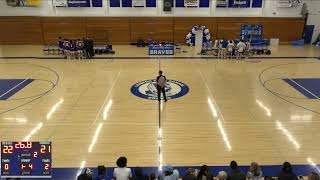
[235, 110]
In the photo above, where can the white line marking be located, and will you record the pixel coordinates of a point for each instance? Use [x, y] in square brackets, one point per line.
[14, 87]
[83, 124]
[304, 88]
[211, 96]
[107, 97]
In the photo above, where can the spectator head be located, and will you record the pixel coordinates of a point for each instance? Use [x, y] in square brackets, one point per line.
[88, 172]
[160, 72]
[255, 169]
[203, 171]
[60, 37]
[122, 162]
[168, 170]
[222, 175]
[268, 178]
[313, 176]
[233, 165]
[152, 176]
[286, 167]
[190, 171]
[138, 172]
[230, 41]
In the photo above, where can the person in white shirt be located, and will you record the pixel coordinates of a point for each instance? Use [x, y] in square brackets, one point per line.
[230, 48]
[216, 44]
[241, 48]
[122, 172]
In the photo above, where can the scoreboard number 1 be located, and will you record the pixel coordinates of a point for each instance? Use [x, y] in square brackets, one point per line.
[6, 166]
[43, 149]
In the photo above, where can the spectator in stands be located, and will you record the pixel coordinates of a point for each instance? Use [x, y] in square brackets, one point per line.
[313, 176]
[102, 172]
[241, 46]
[254, 172]
[286, 173]
[122, 172]
[86, 175]
[138, 175]
[169, 173]
[235, 173]
[190, 174]
[152, 176]
[268, 178]
[204, 173]
[221, 176]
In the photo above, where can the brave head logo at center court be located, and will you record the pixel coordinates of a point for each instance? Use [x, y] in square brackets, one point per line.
[147, 89]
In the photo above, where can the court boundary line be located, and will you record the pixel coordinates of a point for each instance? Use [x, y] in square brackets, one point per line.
[162, 57]
[211, 95]
[304, 88]
[237, 122]
[262, 83]
[107, 97]
[13, 87]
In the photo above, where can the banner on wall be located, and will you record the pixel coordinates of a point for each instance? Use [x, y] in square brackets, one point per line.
[77, 3]
[222, 3]
[139, 3]
[191, 3]
[24, 3]
[250, 31]
[285, 3]
[60, 3]
[239, 4]
[133, 3]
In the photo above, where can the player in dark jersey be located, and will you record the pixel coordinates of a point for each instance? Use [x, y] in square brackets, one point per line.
[73, 49]
[66, 45]
[60, 45]
[80, 47]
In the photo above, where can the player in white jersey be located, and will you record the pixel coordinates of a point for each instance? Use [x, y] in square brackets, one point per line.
[241, 49]
[230, 48]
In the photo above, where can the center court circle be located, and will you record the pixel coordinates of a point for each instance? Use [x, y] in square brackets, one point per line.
[147, 89]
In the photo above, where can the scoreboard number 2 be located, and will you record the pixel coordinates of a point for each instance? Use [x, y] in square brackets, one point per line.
[6, 166]
[7, 149]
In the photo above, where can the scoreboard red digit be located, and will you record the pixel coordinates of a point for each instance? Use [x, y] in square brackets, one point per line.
[26, 159]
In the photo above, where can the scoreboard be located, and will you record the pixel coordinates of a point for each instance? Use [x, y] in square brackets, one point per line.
[26, 159]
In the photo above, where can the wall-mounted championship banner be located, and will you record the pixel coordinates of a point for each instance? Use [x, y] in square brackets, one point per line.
[222, 3]
[289, 3]
[239, 4]
[133, 3]
[60, 3]
[139, 3]
[77, 3]
[285, 3]
[251, 31]
[24, 3]
[191, 3]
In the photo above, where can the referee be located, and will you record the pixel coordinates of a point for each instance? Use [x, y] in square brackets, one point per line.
[161, 83]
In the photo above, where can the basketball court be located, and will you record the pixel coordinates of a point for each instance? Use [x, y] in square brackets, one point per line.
[261, 109]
